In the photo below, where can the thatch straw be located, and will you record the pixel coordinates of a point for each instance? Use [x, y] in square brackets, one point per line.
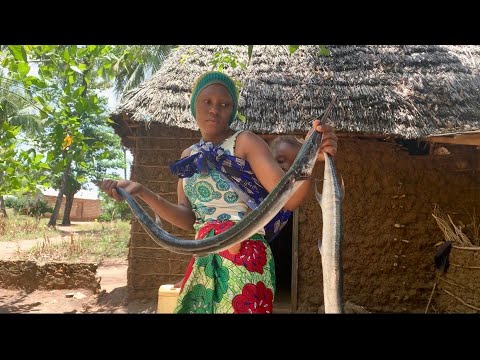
[454, 233]
[407, 90]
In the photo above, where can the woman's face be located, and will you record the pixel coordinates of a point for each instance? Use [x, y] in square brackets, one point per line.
[285, 154]
[213, 107]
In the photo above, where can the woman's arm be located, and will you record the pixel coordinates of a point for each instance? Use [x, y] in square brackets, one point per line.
[180, 215]
[254, 149]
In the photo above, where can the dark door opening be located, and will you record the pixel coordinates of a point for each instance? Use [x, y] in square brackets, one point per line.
[282, 254]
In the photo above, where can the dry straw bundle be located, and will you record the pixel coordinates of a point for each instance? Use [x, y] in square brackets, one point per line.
[460, 235]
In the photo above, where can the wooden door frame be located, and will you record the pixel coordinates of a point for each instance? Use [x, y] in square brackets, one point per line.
[294, 284]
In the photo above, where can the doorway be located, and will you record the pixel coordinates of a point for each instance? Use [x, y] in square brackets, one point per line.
[284, 254]
[79, 210]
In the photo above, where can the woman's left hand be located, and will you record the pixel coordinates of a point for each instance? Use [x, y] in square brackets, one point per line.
[329, 140]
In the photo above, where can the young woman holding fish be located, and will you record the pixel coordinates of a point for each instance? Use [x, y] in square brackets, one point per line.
[240, 279]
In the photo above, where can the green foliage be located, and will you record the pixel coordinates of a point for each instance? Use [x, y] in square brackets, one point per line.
[65, 93]
[38, 208]
[20, 168]
[293, 48]
[185, 56]
[136, 63]
[226, 58]
[241, 117]
[324, 51]
[30, 206]
[114, 210]
[10, 201]
[64, 90]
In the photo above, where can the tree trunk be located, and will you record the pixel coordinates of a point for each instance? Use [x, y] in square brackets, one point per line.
[53, 219]
[68, 209]
[3, 210]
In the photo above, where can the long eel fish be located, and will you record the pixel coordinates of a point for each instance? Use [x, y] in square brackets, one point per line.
[330, 245]
[300, 170]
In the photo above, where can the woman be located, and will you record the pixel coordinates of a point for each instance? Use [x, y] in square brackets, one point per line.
[240, 279]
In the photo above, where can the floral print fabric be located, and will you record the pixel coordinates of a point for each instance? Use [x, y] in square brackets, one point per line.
[242, 283]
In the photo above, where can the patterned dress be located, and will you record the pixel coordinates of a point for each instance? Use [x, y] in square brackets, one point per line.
[225, 282]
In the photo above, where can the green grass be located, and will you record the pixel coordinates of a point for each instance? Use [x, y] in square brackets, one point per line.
[22, 227]
[85, 242]
[110, 240]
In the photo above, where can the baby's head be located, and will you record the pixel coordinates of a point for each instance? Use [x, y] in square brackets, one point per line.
[285, 149]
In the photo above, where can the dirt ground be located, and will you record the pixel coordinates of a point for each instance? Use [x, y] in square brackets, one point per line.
[112, 298]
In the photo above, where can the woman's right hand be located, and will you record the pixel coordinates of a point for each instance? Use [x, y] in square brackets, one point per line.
[108, 186]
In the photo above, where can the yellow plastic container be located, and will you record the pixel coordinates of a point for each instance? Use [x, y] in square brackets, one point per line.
[167, 299]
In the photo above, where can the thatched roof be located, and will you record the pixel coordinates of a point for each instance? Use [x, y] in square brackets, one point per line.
[407, 91]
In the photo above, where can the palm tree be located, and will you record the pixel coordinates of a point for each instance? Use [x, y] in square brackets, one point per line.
[17, 110]
[137, 64]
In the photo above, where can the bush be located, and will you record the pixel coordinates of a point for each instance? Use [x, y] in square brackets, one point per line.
[114, 210]
[10, 201]
[25, 205]
[38, 208]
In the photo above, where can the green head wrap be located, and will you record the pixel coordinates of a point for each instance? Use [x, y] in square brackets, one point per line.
[215, 77]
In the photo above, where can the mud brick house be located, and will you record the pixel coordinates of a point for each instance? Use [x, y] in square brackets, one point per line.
[86, 205]
[408, 121]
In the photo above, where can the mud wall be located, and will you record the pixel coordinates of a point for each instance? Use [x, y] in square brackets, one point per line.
[389, 232]
[150, 266]
[30, 276]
